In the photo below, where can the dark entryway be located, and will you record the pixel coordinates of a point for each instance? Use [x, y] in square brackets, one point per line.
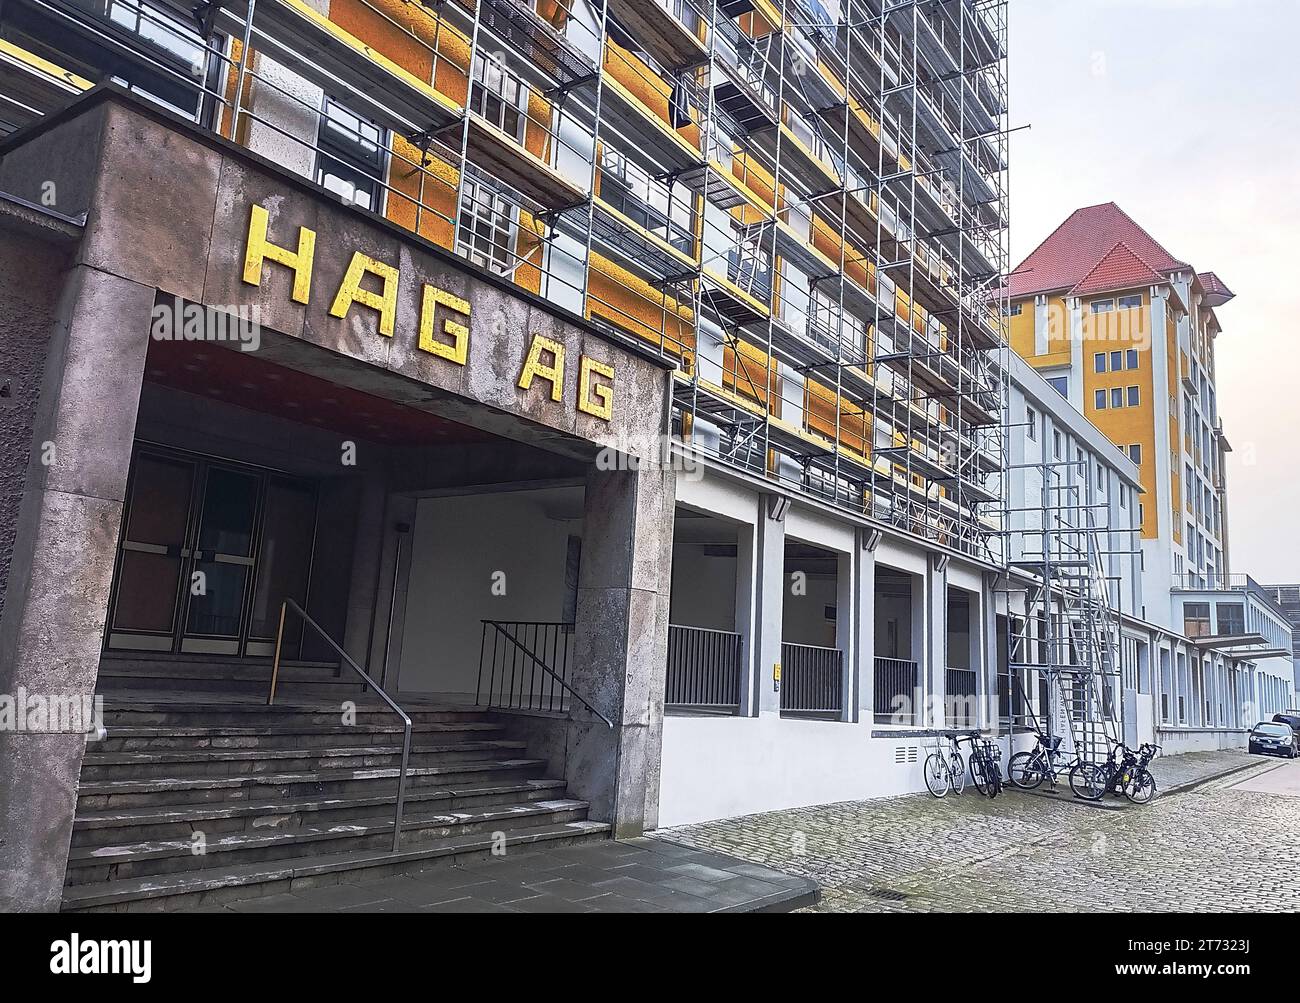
[209, 548]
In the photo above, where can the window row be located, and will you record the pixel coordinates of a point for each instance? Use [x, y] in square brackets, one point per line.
[1122, 303]
[1117, 361]
[1117, 397]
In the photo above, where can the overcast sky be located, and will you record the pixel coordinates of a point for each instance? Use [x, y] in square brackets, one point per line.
[1186, 113]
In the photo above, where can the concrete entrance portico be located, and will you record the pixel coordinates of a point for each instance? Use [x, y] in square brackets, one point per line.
[476, 387]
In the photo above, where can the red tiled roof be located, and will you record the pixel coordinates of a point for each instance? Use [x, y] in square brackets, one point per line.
[1121, 268]
[1216, 293]
[1079, 246]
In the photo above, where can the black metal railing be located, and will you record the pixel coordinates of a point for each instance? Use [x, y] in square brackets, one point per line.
[704, 670]
[812, 679]
[524, 665]
[959, 698]
[896, 699]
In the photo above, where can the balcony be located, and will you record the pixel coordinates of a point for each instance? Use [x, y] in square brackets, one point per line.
[673, 32]
[540, 49]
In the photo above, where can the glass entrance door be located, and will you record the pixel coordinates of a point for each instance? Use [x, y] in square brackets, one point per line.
[153, 554]
[208, 551]
[221, 563]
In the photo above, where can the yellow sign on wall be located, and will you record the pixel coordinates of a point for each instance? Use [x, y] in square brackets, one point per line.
[444, 326]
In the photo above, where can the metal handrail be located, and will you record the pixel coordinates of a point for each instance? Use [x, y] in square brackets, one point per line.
[496, 625]
[392, 704]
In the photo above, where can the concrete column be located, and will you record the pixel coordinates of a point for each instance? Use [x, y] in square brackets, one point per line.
[769, 599]
[621, 645]
[988, 646]
[864, 581]
[846, 616]
[936, 636]
[61, 572]
[747, 616]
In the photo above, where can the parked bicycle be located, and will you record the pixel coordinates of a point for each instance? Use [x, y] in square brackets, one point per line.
[1124, 773]
[945, 769]
[985, 765]
[1045, 761]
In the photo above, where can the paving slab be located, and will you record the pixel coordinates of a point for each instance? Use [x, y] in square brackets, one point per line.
[647, 874]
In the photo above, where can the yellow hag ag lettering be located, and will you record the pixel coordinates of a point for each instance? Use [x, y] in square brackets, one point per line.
[444, 322]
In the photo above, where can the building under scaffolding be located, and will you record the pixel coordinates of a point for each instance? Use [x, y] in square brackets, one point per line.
[802, 202]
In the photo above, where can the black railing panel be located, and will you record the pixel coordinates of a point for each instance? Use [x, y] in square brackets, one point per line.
[960, 698]
[812, 679]
[524, 665]
[704, 670]
[897, 696]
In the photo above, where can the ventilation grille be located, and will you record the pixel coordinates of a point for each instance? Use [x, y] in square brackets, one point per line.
[905, 754]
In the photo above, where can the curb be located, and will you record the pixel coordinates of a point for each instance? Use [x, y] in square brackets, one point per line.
[1191, 785]
[1067, 798]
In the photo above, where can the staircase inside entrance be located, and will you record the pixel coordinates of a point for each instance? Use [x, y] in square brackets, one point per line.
[202, 794]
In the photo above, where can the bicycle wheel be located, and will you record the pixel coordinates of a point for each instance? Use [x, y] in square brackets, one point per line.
[1141, 788]
[1088, 781]
[978, 775]
[1025, 770]
[957, 769]
[994, 773]
[937, 778]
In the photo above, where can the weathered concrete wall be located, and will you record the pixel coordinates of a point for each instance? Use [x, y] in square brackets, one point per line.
[52, 628]
[26, 318]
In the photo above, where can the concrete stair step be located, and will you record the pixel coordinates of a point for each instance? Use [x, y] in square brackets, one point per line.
[212, 886]
[138, 825]
[229, 675]
[88, 865]
[107, 766]
[205, 665]
[253, 713]
[106, 795]
[177, 738]
[344, 688]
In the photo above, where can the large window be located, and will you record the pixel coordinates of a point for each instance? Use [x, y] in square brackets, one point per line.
[1196, 619]
[486, 227]
[498, 96]
[1232, 619]
[351, 157]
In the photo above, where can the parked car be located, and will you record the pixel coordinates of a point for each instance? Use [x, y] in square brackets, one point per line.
[1274, 738]
[1291, 717]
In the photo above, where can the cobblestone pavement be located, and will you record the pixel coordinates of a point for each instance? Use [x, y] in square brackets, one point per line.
[1212, 848]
